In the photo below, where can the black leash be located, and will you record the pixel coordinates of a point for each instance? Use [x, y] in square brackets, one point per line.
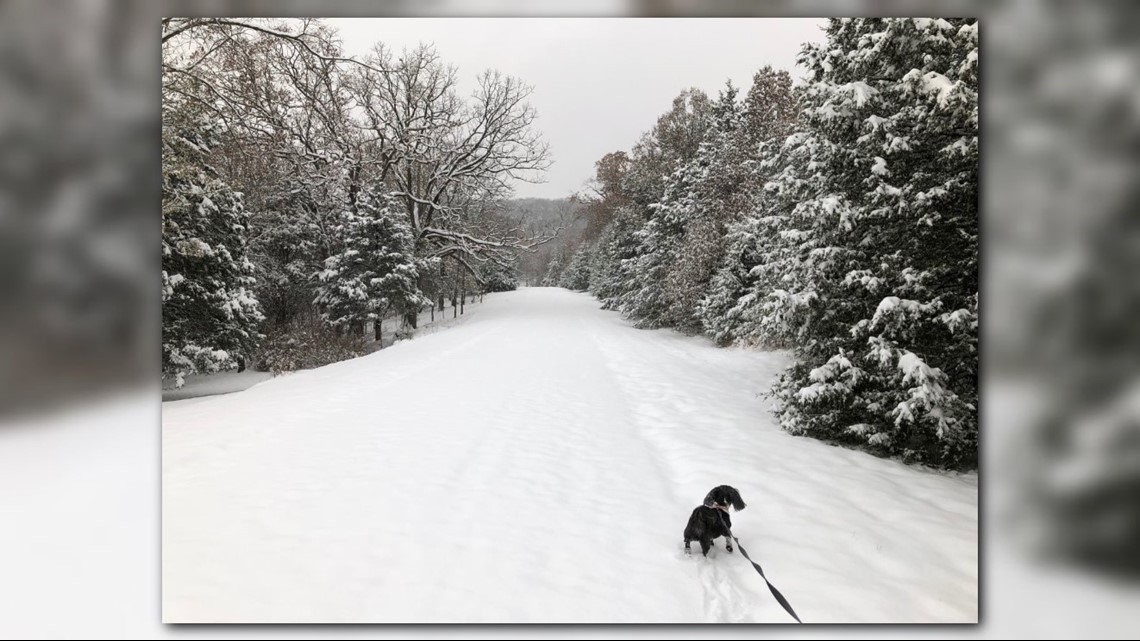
[776, 593]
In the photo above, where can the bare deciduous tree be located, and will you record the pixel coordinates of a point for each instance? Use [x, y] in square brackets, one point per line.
[307, 130]
[451, 161]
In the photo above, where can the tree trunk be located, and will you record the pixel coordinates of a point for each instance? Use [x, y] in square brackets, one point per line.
[377, 332]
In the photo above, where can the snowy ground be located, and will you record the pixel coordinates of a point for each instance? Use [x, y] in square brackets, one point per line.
[537, 462]
[197, 385]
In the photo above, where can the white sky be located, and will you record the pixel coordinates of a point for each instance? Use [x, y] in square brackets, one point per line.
[598, 82]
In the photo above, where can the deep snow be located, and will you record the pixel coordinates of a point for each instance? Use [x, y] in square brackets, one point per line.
[537, 462]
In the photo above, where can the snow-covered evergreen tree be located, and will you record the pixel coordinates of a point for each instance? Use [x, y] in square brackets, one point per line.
[719, 309]
[682, 244]
[498, 277]
[716, 195]
[554, 270]
[209, 314]
[576, 276]
[658, 249]
[746, 225]
[611, 267]
[635, 248]
[883, 299]
[377, 273]
[760, 290]
[289, 247]
[678, 164]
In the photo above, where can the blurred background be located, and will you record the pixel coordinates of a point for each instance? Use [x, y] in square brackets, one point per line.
[79, 308]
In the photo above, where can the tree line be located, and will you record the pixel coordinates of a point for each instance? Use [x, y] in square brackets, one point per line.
[309, 195]
[836, 219]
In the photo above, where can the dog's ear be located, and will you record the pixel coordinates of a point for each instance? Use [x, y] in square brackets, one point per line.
[725, 495]
[734, 497]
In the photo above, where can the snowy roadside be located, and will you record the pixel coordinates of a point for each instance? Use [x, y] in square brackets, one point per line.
[203, 385]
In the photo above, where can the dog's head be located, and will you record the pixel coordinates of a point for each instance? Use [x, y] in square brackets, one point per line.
[724, 495]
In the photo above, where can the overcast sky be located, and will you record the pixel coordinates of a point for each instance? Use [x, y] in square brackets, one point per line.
[598, 82]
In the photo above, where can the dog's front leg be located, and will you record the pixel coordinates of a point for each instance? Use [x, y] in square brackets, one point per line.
[728, 543]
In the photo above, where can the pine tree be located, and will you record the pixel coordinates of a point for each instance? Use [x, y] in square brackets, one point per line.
[289, 247]
[884, 298]
[209, 314]
[661, 181]
[554, 270]
[658, 249]
[615, 252]
[776, 246]
[719, 309]
[629, 268]
[376, 274]
[576, 276]
[499, 277]
[748, 226]
[717, 193]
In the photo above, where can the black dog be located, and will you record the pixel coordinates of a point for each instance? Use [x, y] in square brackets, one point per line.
[711, 519]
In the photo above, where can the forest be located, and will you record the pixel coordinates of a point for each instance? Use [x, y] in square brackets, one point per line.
[837, 219]
[309, 196]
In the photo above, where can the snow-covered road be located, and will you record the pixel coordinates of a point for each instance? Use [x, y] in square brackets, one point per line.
[537, 462]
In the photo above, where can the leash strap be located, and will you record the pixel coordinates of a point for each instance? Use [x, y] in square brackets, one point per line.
[776, 593]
